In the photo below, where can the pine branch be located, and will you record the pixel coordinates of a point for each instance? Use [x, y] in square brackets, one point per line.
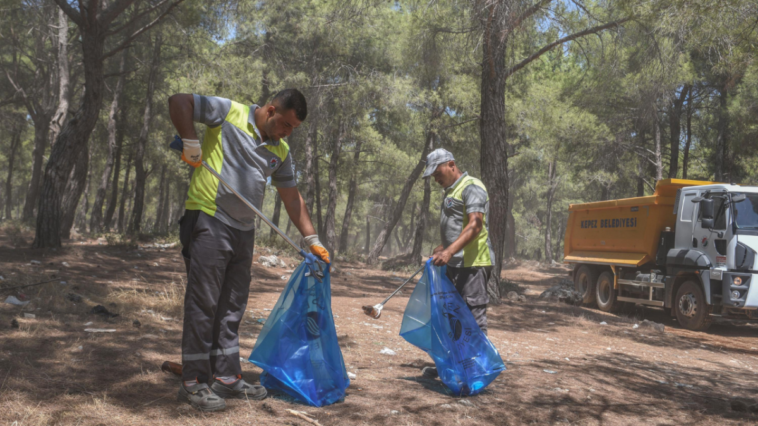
[547, 48]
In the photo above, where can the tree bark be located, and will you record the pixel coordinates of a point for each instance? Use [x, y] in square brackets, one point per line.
[163, 225]
[492, 132]
[368, 236]
[722, 139]
[40, 145]
[71, 144]
[114, 147]
[64, 96]
[74, 187]
[421, 222]
[319, 218]
[15, 143]
[658, 155]
[159, 213]
[351, 193]
[120, 129]
[331, 206]
[81, 216]
[124, 195]
[397, 212]
[552, 185]
[688, 138]
[310, 150]
[140, 175]
[675, 130]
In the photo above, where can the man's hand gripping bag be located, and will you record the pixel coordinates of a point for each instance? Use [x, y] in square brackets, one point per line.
[297, 348]
[438, 321]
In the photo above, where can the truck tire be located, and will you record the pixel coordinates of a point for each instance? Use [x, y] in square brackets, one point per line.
[690, 307]
[605, 294]
[584, 283]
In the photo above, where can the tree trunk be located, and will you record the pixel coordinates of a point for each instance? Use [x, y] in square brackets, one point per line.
[722, 139]
[40, 145]
[59, 117]
[368, 236]
[492, 132]
[688, 138]
[675, 130]
[15, 143]
[351, 193]
[140, 175]
[71, 143]
[124, 194]
[310, 150]
[81, 216]
[319, 218]
[163, 225]
[114, 147]
[74, 188]
[277, 213]
[120, 129]
[331, 206]
[384, 234]
[159, 213]
[551, 187]
[423, 218]
[658, 156]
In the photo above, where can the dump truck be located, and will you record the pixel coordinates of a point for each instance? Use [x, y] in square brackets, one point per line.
[690, 248]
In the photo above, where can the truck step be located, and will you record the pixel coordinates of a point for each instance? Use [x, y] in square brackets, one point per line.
[640, 301]
[641, 283]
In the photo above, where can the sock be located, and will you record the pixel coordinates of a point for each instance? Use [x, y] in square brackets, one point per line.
[227, 380]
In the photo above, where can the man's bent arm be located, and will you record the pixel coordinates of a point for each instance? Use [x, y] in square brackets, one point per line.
[297, 211]
[181, 108]
[468, 234]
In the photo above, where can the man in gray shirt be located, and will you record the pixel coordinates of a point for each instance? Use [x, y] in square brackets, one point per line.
[465, 247]
[245, 145]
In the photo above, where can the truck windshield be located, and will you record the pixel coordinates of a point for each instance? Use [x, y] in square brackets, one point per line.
[746, 212]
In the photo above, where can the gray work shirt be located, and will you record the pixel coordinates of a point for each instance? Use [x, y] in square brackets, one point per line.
[233, 147]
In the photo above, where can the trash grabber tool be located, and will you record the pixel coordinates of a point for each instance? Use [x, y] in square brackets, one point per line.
[315, 265]
[376, 310]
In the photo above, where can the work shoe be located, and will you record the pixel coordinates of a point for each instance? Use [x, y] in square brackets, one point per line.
[238, 389]
[429, 372]
[200, 396]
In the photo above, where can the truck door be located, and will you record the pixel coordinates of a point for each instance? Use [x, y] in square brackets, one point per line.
[713, 242]
[685, 220]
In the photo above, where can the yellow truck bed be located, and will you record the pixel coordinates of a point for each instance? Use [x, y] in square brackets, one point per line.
[622, 232]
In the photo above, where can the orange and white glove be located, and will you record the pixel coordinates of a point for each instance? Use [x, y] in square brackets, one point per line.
[192, 154]
[317, 248]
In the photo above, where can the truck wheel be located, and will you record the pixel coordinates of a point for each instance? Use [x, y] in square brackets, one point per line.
[605, 294]
[584, 283]
[690, 307]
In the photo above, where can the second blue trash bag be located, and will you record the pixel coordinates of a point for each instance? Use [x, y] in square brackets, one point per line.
[297, 348]
[438, 321]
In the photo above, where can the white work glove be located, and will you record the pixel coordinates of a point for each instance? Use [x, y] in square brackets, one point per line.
[192, 154]
[317, 248]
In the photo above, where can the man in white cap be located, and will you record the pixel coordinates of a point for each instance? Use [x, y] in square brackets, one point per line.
[465, 247]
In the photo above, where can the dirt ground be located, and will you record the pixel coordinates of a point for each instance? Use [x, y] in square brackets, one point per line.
[564, 365]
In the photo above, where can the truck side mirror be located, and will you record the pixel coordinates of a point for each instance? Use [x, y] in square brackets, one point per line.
[738, 198]
[706, 213]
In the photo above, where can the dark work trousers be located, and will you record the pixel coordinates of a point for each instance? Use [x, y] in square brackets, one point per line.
[471, 283]
[218, 259]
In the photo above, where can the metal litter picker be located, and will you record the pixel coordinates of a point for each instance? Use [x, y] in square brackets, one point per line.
[376, 310]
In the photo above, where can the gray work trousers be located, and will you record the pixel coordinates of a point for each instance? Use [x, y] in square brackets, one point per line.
[471, 284]
[218, 260]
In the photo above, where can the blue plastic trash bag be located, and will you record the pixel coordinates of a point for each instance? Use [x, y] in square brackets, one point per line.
[297, 348]
[438, 321]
